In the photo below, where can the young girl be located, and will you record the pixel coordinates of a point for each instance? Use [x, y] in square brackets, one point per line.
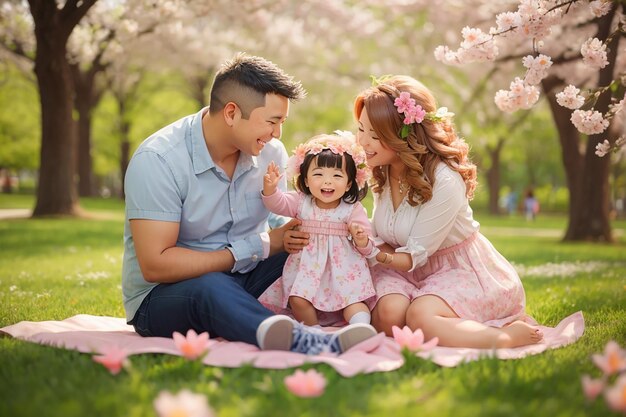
[331, 274]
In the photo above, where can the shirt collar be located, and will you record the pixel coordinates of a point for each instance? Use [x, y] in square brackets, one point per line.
[200, 156]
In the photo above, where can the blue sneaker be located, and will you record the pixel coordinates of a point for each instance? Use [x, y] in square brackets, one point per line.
[275, 333]
[280, 332]
[314, 341]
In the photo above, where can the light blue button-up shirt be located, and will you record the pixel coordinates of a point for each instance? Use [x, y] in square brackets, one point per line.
[172, 177]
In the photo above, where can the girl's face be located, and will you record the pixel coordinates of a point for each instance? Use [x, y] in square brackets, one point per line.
[327, 185]
[377, 154]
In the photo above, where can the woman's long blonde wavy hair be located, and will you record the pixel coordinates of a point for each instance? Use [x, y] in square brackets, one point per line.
[428, 143]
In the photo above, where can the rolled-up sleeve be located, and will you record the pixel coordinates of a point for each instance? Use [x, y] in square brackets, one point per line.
[152, 191]
[247, 252]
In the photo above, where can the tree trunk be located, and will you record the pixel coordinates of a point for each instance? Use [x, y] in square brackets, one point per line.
[125, 144]
[56, 191]
[587, 174]
[85, 100]
[493, 176]
[7, 187]
[198, 85]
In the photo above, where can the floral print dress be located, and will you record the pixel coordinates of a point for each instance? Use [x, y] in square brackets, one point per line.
[330, 273]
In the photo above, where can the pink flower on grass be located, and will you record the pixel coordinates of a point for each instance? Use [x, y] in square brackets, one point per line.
[192, 346]
[307, 384]
[183, 404]
[592, 387]
[613, 360]
[413, 341]
[616, 395]
[113, 358]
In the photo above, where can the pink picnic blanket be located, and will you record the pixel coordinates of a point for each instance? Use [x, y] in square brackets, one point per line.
[91, 334]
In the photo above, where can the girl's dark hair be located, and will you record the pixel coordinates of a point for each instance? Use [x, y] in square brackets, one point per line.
[328, 159]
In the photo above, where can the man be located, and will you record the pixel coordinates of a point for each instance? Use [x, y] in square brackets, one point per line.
[197, 252]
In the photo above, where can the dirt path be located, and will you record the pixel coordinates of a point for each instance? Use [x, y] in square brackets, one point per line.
[15, 213]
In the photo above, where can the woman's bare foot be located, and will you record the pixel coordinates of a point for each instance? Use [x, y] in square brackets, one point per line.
[518, 333]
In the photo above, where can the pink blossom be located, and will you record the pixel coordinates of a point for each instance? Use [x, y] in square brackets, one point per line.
[183, 404]
[569, 98]
[113, 358]
[192, 346]
[444, 54]
[613, 360]
[413, 113]
[589, 122]
[592, 387]
[603, 148]
[362, 176]
[416, 114]
[600, 7]
[537, 68]
[316, 148]
[477, 46]
[306, 384]
[507, 21]
[594, 53]
[617, 107]
[414, 341]
[520, 96]
[404, 103]
[616, 395]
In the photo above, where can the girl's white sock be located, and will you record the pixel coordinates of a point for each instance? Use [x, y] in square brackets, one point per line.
[361, 317]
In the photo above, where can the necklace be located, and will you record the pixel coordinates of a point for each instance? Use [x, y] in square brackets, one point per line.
[401, 185]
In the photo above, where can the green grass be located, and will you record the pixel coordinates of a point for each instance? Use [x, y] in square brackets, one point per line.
[54, 269]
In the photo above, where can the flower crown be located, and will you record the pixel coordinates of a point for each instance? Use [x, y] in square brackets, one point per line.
[339, 143]
[414, 113]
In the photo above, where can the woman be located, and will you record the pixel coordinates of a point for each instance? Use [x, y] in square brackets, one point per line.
[435, 271]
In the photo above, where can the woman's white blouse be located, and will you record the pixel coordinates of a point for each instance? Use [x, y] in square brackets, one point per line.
[445, 220]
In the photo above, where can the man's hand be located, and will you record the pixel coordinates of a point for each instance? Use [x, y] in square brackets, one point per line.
[278, 237]
[358, 235]
[295, 240]
[270, 179]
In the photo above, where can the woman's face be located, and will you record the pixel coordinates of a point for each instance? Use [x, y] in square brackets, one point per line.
[377, 153]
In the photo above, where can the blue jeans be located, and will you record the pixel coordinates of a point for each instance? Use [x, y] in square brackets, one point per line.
[224, 304]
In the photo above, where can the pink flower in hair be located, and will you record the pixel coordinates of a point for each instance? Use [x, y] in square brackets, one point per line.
[413, 113]
[362, 175]
[404, 103]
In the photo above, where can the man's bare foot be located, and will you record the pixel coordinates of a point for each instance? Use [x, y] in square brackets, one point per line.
[518, 333]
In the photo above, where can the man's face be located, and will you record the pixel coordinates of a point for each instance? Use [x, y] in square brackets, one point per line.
[264, 124]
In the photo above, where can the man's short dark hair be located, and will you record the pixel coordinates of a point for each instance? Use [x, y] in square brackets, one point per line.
[246, 79]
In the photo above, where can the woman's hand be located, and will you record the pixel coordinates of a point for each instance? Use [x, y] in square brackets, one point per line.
[294, 240]
[270, 179]
[358, 235]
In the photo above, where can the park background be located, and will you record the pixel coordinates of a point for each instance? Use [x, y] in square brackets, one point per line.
[131, 67]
